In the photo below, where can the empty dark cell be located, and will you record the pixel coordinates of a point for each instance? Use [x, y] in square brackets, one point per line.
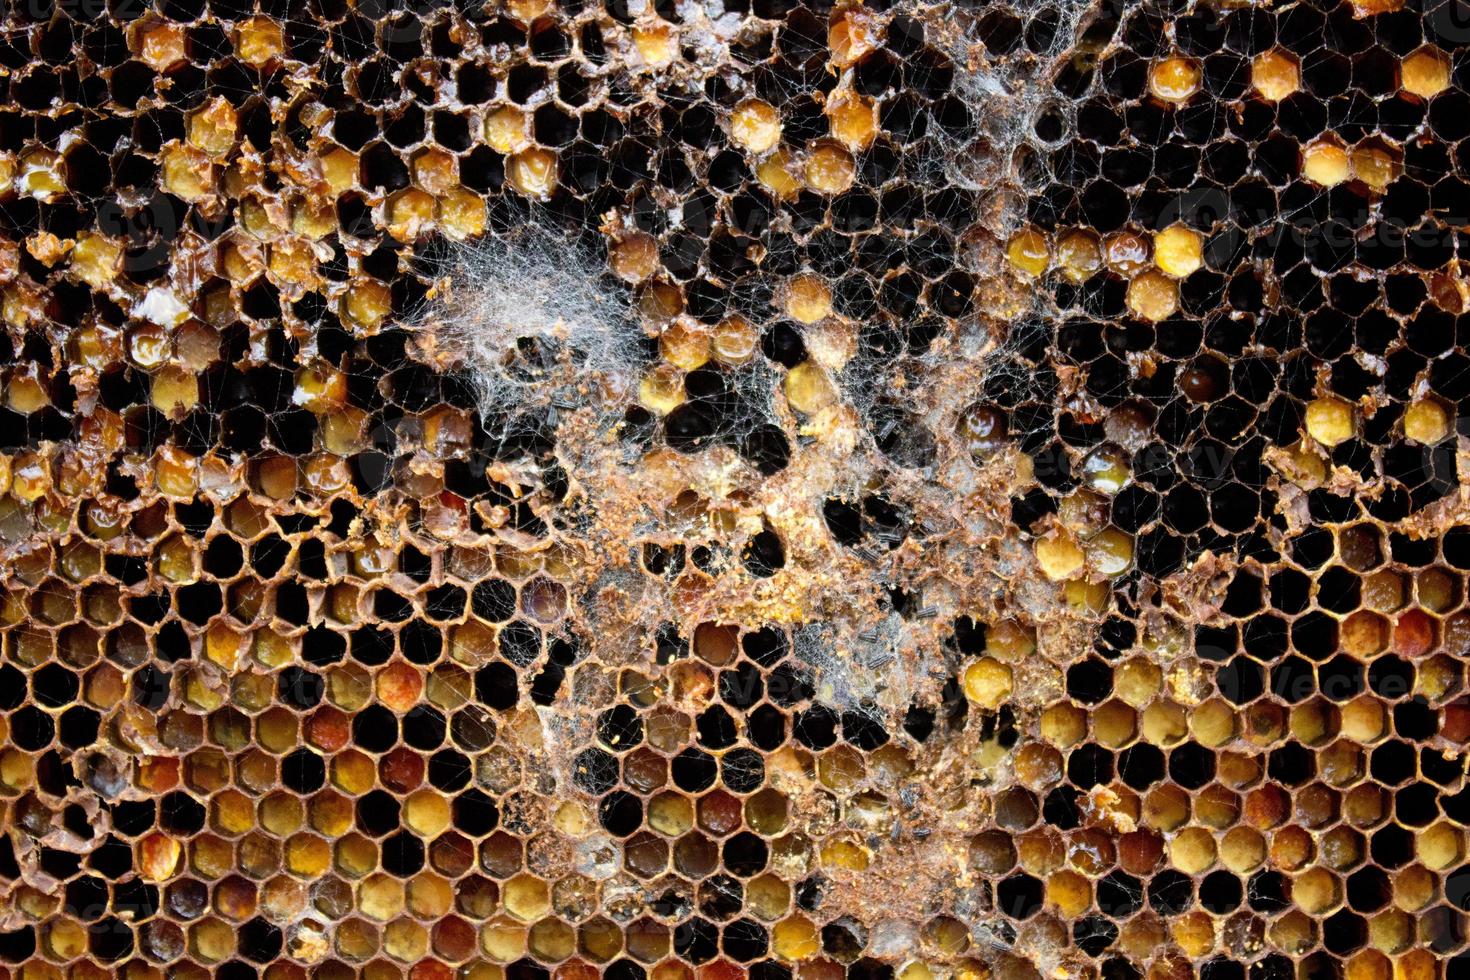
[374, 728]
[1391, 678]
[715, 728]
[766, 728]
[697, 940]
[300, 688]
[377, 813]
[150, 690]
[86, 898]
[1344, 932]
[745, 855]
[267, 556]
[620, 813]
[619, 728]
[291, 602]
[494, 600]
[424, 728]
[1240, 680]
[1368, 889]
[1268, 892]
[420, 642]
[415, 564]
[1439, 768]
[520, 643]
[1293, 679]
[1020, 896]
[1235, 507]
[171, 643]
[1243, 596]
[61, 864]
[1051, 463]
[403, 855]
[1140, 766]
[1061, 808]
[1221, 892]
[1339, 590]
[1290, 591]
[1093, 934]
[1393, 762]
[1216, 643]
[390, 606]
[78, 727]
[451, 131]
[1272, 967]
[1119, 895]
[1314, 635]
[694, 770]
[844, 520]
[130, 570]
[721, 896]
[1089, 766]
[472, 728]
[1292, 764]
[303, 771]
[54, 686]
[869, 969]
[12, 687]
[137, 898]
[110, 939]
[496, 686]
[764, 554]
[1392, 846]
[180, 814]
[449, 771]
[742, 770]
[260, 941]
[663, 561]
[1340, 678]
[1191, 765]
[1456, 547]
[369, 645]
[742, 687]
[863, 730]
[815, 727]
[1170, 892]
[1415, 720]
[474, 813]
[1320, 966]
[1185, 509]
[790, 685]
[692, 426]
[1090, 681]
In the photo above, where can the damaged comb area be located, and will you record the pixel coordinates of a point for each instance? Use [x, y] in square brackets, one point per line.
[554, 490]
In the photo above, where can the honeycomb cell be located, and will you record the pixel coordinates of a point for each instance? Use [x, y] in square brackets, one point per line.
[868, 490]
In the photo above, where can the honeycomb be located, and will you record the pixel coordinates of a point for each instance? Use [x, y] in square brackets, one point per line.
[563, 489]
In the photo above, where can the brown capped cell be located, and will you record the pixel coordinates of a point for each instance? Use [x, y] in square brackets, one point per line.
[830, 167]
[533, 172]
[755, 125]
[634, 257]
[853, 120]
[657, 43]
[1275, 74]
[719, 813]
[1414, 633]
[852, 32]
[1175, 79]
